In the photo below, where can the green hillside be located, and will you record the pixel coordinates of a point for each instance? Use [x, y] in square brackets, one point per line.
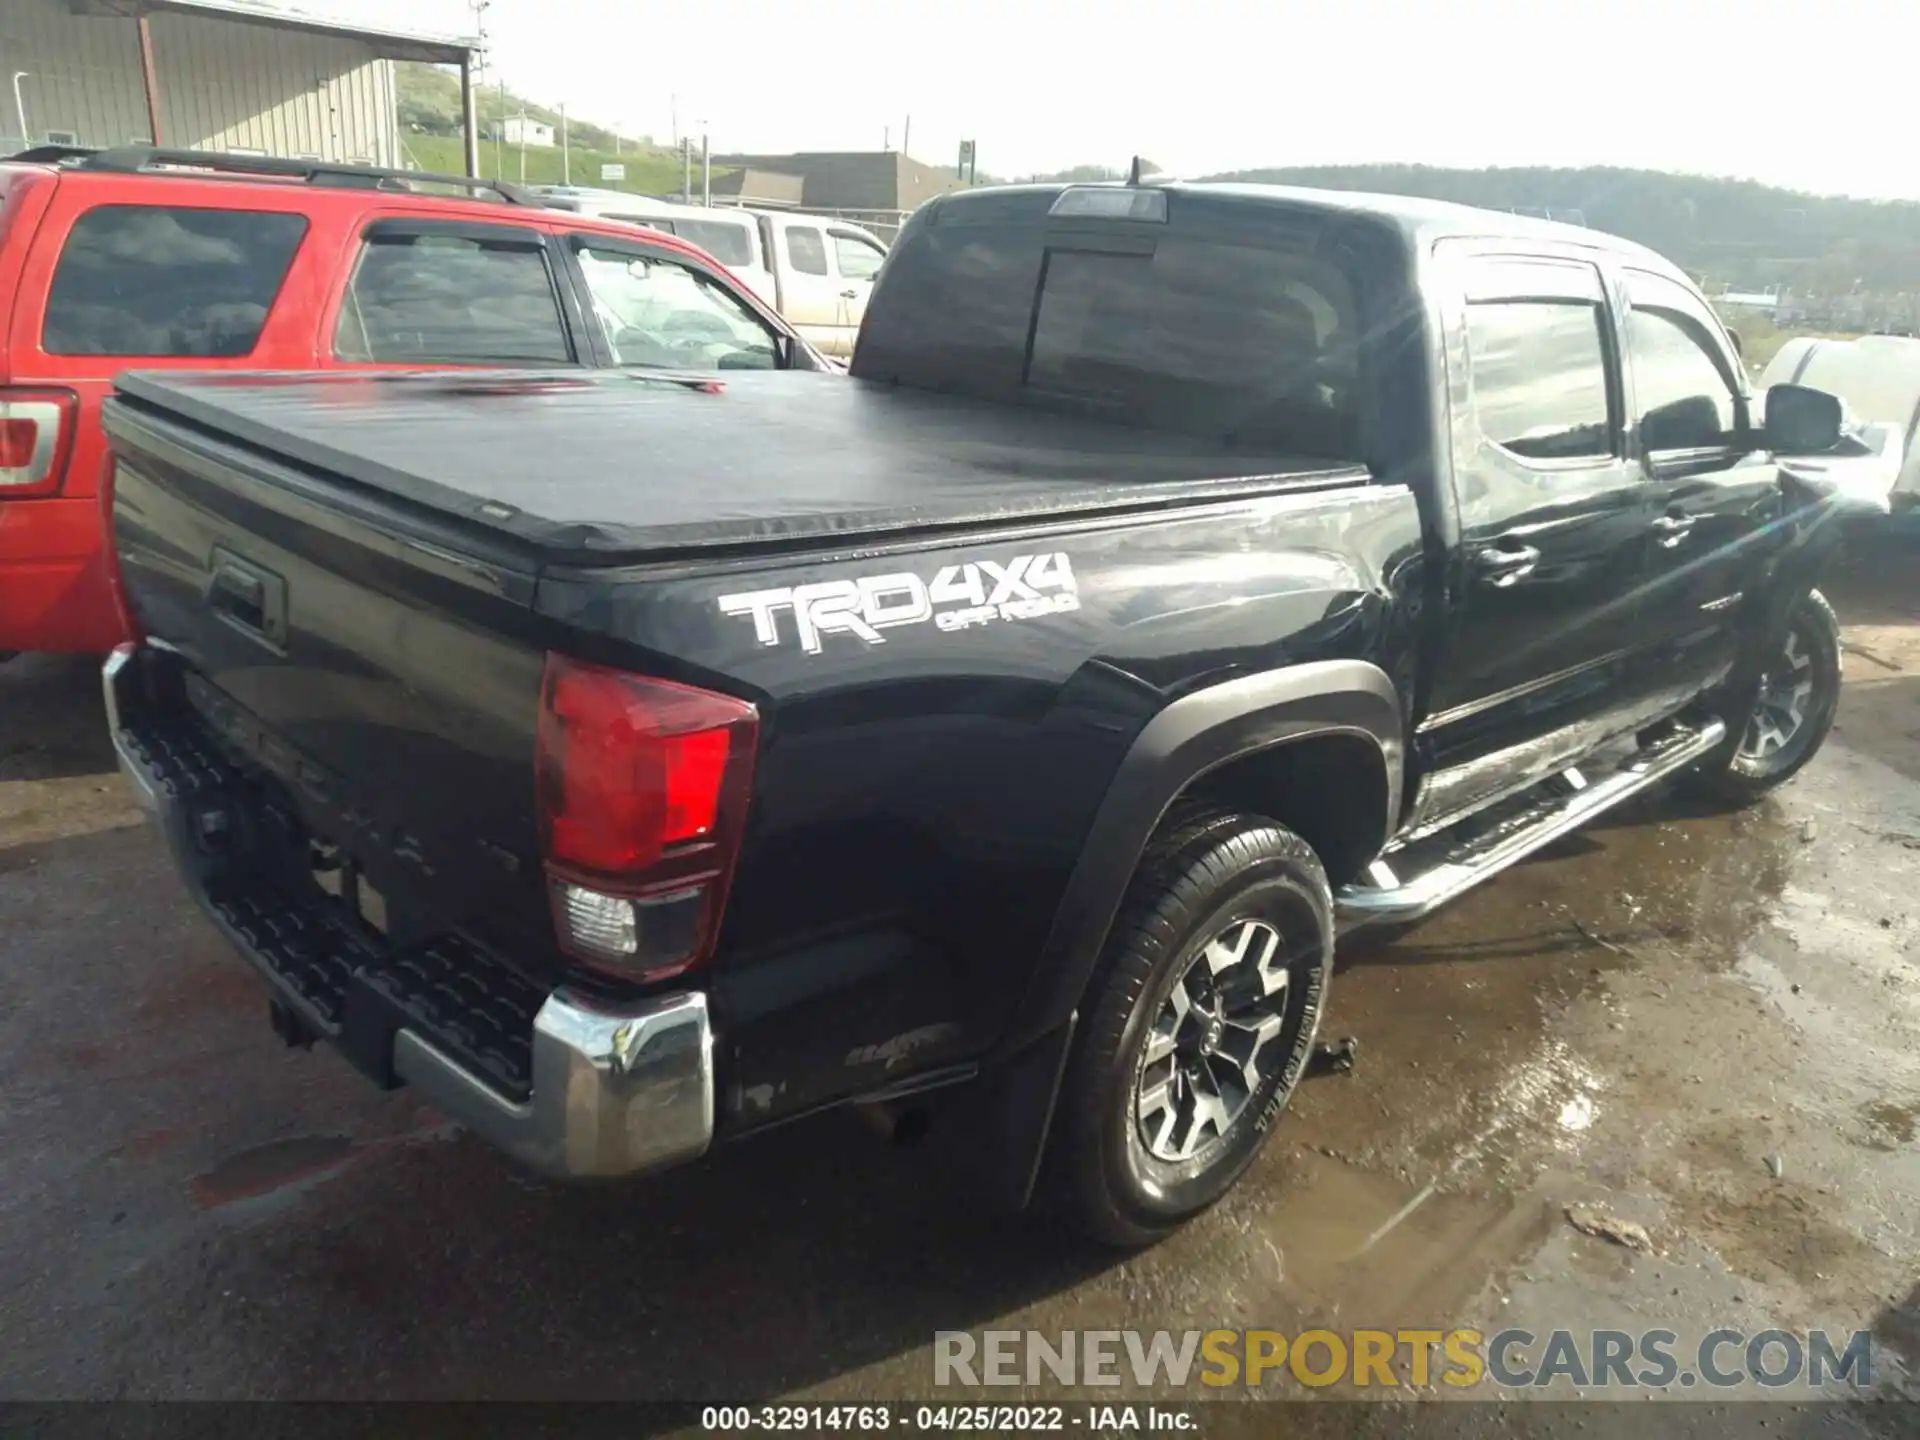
[431, 124]
[1733, 232]
[648, 172]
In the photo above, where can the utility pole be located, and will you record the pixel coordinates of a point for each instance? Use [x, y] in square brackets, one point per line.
[686, 169]
[523, 144]
[471, 86]
[906, 137]
[566, 160]
[20, 111]
[886, 137]
[499, 124]
[706, 169]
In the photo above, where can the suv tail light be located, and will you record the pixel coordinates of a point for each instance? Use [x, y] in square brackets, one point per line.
[36, 435]
[642, 791]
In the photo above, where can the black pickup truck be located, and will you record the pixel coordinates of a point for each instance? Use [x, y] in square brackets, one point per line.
[1185, 575]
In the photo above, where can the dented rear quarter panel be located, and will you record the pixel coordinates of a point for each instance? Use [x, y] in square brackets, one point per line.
[923, 789]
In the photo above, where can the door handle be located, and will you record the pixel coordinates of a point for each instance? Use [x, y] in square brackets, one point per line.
[1672, 529]
[1501, 568]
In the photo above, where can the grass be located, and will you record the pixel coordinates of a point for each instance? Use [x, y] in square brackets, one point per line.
[649, 172]
[1761, 339]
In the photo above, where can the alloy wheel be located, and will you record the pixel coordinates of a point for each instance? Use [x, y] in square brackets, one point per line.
[1780, 715]
[1210, 1046]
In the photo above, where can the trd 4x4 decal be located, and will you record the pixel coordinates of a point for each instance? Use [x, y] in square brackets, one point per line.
[955, 597]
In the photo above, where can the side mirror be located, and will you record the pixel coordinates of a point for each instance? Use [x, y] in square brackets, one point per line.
[1802, 421]
[1689, 424]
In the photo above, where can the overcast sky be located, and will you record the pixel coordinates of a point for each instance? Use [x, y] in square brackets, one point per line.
[1206, 85]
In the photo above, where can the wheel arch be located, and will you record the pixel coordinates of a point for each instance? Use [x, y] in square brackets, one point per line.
[1199, 736]
[1202, 737]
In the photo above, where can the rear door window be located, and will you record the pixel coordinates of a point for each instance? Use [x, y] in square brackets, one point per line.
[1540, 385]
[421, 299]
[155, 280]
[807, 250]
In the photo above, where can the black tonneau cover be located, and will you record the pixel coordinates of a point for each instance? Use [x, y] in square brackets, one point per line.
[591, 468]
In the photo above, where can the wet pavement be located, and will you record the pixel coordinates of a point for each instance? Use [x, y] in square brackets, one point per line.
[1705, 1023]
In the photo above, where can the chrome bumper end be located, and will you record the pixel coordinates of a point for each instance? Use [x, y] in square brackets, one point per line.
[615, 1092]
[111, 676]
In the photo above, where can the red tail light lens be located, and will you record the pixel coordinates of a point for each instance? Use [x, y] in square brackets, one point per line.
[36, 434]
[18, 440]
[643, 788]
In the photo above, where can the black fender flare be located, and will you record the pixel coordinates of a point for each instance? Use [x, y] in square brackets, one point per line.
[1192, 736]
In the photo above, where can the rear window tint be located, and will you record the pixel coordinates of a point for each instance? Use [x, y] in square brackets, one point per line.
[448, 299]
[160, 280]
[1259, 346]
[729, 244]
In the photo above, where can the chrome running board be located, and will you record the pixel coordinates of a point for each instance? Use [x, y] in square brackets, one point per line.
[1445, 865]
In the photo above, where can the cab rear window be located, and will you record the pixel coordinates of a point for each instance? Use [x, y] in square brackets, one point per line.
[729, 244]
[1249, 344]
[156, 280]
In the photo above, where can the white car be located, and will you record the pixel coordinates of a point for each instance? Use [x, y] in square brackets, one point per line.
[815, 271]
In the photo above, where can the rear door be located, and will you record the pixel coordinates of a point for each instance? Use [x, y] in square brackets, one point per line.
[810, 296]
[1714, 490]
[1553, 517]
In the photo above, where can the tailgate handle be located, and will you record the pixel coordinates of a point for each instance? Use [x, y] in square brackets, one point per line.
[252, 600]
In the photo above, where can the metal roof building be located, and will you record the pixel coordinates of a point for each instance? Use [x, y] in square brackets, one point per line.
[206, 75]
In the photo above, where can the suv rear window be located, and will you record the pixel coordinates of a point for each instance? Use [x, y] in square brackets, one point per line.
[162, 280]
[449, 299]
[1239, 342]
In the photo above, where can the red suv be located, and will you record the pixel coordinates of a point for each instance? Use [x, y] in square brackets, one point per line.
[117, 260]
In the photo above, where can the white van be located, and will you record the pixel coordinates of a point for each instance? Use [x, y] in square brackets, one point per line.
[816, 272]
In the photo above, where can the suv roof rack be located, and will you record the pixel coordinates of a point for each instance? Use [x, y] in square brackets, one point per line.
[51, 154]
[136, 159]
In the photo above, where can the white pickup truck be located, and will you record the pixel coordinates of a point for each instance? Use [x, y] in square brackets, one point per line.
[817, 272]
[1878, 379]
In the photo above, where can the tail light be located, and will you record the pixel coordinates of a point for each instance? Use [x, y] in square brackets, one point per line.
[36, 436]
[642, 790]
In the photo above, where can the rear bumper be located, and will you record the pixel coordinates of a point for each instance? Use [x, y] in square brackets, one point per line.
[55, 589]
[568, 1085]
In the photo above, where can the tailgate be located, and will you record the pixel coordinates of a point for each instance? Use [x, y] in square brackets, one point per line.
[384, 672]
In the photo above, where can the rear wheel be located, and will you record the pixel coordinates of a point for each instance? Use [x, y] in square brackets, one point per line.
[1198, 1026]
[1795, 702]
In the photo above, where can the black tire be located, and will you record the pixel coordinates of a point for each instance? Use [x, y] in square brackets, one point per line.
[1208, 876]
[1772, 742]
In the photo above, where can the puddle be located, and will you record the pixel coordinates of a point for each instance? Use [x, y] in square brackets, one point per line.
[1371, 1249]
